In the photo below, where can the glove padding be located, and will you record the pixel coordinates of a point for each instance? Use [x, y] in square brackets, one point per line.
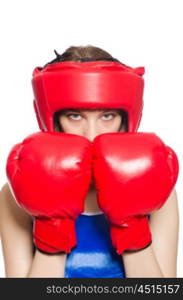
[49, 175]
[134, 175]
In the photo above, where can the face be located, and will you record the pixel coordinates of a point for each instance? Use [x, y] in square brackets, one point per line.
[90, 123]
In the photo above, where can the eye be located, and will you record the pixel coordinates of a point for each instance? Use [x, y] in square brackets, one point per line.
[74, 116]
[108, 116]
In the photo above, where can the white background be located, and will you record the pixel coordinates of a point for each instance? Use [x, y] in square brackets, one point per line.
[147, 33]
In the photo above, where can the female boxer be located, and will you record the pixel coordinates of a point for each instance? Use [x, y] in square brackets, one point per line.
[98, 252]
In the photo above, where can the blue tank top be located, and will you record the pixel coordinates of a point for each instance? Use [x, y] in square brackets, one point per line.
[94, 255]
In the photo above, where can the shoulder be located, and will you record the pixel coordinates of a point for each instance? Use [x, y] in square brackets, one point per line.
[5, 192]
[169, 211]
[7, 199]
[9, 209]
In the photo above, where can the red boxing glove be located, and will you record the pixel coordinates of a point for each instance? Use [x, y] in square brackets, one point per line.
[49, 175]
[134, 174]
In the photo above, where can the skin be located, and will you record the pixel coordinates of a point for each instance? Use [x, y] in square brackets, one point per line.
[157, 260]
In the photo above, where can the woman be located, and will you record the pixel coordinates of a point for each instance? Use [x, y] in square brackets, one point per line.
[158, 259]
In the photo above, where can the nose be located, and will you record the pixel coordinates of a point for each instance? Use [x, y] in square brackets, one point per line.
[91, 130]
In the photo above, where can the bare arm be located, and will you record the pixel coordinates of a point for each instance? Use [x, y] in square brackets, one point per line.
[165, 231]
[16, 236]
[142, 264]
[17, 244]
[160, 258]
[45, 265]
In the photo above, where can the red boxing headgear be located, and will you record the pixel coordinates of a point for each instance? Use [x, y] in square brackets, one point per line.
[89, 85]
